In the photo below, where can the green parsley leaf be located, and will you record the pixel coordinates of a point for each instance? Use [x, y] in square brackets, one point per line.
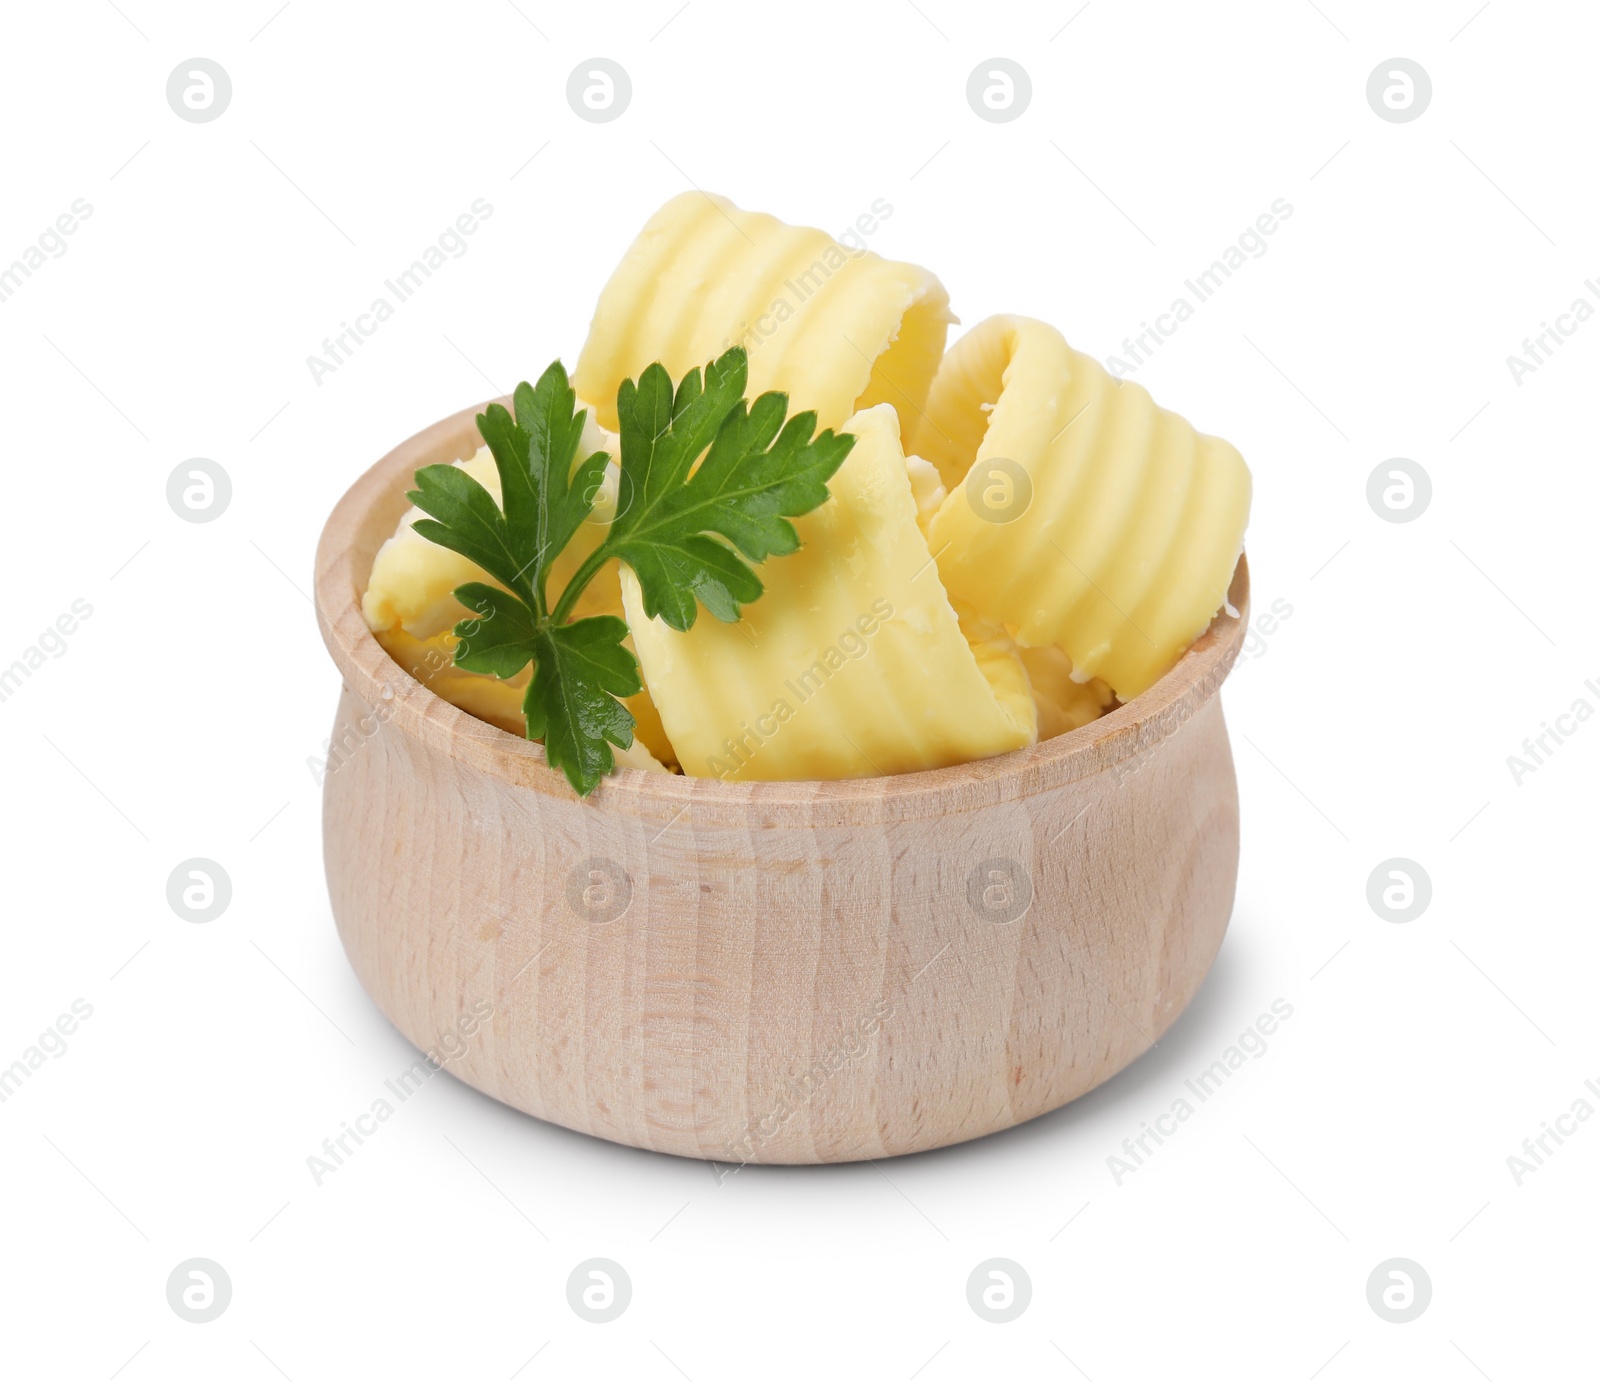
[758, 473]
[545, 499]
[572, 701]
[499, 641]
[467, 520]
[707, 487]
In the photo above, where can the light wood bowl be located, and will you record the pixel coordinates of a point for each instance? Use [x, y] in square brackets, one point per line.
[804, 971]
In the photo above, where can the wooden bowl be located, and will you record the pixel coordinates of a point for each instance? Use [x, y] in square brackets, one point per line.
[771, 971]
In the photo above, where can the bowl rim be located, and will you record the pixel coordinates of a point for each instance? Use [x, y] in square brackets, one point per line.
[367, 513]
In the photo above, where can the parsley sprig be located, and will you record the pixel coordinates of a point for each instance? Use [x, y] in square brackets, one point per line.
[691, 533]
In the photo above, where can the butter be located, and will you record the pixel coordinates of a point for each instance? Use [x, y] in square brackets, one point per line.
[927, 490]
[836, 329]
[853, 663]
[1065, 699]
[1078, 513]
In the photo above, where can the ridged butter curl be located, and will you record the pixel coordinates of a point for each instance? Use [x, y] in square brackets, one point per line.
[836, 329]
[1078, 513]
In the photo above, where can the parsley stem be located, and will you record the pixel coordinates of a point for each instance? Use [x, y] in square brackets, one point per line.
[585, 573]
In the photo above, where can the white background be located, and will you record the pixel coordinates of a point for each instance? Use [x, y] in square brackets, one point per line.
[1376, 721]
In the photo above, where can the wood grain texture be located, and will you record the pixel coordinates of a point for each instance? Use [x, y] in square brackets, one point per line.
[803, 971]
